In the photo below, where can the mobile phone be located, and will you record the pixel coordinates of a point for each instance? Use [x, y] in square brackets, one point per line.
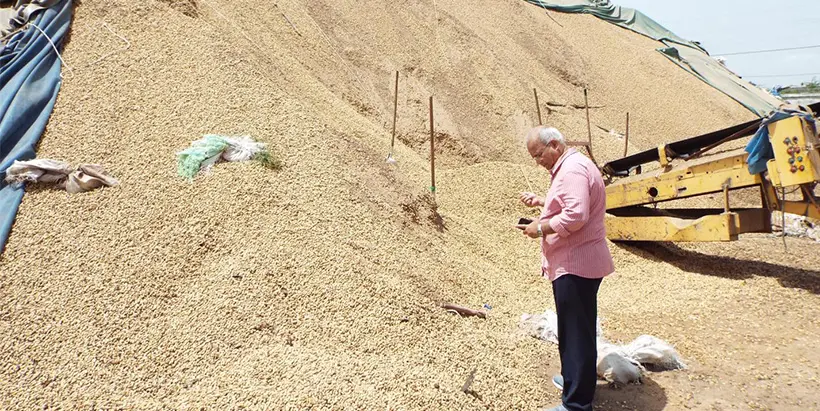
[524, 221]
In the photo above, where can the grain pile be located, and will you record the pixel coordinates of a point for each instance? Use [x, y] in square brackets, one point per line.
[318, 285]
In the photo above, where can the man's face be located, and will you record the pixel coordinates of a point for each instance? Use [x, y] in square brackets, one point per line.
[545, 155]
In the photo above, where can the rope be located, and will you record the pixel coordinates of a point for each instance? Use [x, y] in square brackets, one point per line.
[440, 46]
[252, 53]
[352, 72]
[230, 22]
[127, 46]
[529, 185]
[59, 56]
[438, 41]
[441, 49]
[72, 70]
[347, 66]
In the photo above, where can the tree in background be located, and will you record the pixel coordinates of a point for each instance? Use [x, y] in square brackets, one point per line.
[813, 85]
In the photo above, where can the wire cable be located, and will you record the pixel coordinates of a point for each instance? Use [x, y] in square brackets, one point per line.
[786, 75]
[816, 46]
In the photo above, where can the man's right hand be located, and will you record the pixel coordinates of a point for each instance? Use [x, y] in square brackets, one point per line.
[531, 200]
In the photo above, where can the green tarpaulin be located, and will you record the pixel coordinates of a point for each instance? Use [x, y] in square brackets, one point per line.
[688, 55]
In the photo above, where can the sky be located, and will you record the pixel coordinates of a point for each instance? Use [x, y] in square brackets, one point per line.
[729, 26]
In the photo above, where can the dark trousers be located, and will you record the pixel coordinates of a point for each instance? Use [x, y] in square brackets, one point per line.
[576, 303]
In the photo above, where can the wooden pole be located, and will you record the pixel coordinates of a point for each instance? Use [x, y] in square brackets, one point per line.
[395, 112]
[726, 197]
[432, 150]
[626, 138]
[589, 129]
[538, 107]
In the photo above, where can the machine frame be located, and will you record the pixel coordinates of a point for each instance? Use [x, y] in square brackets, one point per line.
[632, 213]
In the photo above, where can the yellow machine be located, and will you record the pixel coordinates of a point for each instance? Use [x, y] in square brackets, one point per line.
[632, 212]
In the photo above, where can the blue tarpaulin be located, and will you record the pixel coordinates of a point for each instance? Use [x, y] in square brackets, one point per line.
[759, 148]
[29, 82]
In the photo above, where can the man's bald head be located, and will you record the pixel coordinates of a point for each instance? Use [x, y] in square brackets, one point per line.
[546, 145]
[545, 135]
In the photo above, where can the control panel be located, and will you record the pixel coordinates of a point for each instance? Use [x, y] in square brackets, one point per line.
[796, 156]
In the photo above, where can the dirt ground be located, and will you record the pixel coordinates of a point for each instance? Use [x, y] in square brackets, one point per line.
[319, 286]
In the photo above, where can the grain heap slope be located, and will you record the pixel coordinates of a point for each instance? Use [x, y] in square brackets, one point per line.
[319, 285]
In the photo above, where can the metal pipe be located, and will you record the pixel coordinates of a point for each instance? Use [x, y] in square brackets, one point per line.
[724, 140]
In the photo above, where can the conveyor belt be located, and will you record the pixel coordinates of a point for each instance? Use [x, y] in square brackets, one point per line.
[685, 148]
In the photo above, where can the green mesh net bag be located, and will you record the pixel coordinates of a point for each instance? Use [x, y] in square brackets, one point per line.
[202, 154]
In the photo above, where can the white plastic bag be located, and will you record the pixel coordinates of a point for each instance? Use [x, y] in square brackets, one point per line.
[647, 349]
[618, 369]
[545, 326]
[241, 149]
[622, 364]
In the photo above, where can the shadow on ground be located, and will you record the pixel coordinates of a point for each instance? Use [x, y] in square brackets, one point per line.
[648, 396]
[725, 267]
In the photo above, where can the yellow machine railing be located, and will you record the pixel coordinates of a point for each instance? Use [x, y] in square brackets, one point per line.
[632, 201]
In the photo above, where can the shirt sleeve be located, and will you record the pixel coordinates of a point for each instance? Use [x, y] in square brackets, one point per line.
[574, 200]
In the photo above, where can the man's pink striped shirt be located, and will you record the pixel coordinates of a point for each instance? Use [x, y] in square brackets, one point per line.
[575, 207]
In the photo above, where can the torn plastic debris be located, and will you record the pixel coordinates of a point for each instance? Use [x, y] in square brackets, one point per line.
[622, 364]
[86, 177]
[210, 149]
[797, 225]
[545, 326]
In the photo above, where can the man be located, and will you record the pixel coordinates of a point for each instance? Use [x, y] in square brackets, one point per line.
[575, 257]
